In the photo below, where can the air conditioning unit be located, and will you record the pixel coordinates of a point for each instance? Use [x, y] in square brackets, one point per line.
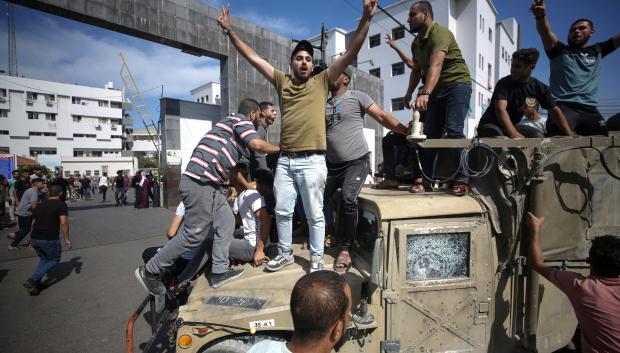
[2, 99]
[50, 103]
[29, 101]
[98, 127]
[84, 103]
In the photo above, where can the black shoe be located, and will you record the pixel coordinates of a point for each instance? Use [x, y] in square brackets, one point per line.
[29, 284]
[217, 279]
[150, 282]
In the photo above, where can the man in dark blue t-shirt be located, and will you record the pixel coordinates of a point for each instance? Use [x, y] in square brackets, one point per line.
[575, 71]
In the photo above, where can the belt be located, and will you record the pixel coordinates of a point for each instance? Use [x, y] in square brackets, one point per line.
[301, 153]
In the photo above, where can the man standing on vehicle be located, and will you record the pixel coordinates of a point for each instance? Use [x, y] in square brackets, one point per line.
[301, 165]
[206, 206]
[267, 116]
[320, 307]
[595, 298]
[348, 162]
[446, 92]
[575, 71]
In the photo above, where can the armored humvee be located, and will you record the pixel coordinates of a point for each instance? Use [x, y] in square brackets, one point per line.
[435, 272]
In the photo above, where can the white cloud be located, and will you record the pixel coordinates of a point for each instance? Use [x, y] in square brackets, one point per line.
[280, 25]
[50, 51]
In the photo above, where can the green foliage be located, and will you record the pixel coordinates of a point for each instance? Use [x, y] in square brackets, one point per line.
[145, 162]
[29, 168]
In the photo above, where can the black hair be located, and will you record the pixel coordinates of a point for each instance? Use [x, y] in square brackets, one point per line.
[528, 56]
[265, 105]
[119, 172]
[583, 20]
[247, 106]
[264, 177]
[317, 302]
[55, 190]
[605, 256]
[425, 6]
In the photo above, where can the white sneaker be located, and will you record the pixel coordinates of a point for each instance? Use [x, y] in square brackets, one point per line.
[318, 263]
[280, 261]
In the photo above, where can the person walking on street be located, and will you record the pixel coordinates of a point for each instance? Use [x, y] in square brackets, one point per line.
[574, 72]
[48, 219]
[301, 166]
[206, 207]
[86, 187]
[348, 161]
[27, 204]
[119, 188]
[11, 196]
[446, 92]
[127, 184]
[103, 186]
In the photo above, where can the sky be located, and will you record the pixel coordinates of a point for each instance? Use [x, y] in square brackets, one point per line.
[57, 49]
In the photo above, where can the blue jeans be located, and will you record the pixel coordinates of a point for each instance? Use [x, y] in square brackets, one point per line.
[306, 175]
[87, 193]
[25, 226]
[49, 255]
[447, 111]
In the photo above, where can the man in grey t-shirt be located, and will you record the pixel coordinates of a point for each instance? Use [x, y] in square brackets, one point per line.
[28, 202]
[348, 163]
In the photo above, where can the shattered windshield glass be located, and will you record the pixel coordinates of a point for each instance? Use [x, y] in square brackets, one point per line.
[437, 256]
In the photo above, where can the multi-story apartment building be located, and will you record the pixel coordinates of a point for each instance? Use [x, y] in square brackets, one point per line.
[142, 143]
[52, 121]
[475, 27]
[208, 93]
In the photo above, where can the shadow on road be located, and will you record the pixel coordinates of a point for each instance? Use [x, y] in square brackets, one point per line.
[62, 271]
[3, 274]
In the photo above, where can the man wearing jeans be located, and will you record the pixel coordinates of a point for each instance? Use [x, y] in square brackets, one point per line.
[27, 203]
[301, 165]
[206, 207]
[447, 85]
[49, 218]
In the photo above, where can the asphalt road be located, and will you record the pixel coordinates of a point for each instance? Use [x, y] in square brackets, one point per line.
[91, 293]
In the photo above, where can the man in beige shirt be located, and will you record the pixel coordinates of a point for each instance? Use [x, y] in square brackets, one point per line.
[301, 166]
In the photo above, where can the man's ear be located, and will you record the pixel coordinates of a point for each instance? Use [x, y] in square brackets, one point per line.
[337, 331]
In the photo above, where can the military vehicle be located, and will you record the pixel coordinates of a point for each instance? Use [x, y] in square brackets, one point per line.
[435, 272]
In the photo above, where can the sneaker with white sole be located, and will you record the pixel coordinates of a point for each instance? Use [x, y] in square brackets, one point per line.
[150, 282]
[280, 261]
[318, 263]
[217, 279]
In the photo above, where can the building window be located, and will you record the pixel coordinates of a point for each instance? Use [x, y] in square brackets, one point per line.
[33, 115]
[398, 69]
[49, 134]
[77, 118]
[76, 100]
[2, 92]
[67, 174]
[4, 113]
[374, 41]
[76, 172]
[50, 116]
[34, 133]
[398, 33]
[88, 173]
[4, 132]
[51, 98]
[39, 151]
[103, 120]
[116, 137]
[103, 104]
[32, 96]
[375, 72]
[96, 173]
[207, 99]
[118, 105]
[78, 154]
[97, 154]
[397, 104]
[490, 35]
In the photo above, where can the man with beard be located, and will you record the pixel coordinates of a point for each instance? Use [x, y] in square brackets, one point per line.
[575, 71]
[348, 162]
[268, 115]
[320, 307]
[301, 165]
[446, 92]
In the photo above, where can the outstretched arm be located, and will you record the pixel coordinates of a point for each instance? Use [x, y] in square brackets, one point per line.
[549, 39]
[260, 64]
[263, 146]
[338, 66]
[537, 259]
[407, 60]
[386, 120]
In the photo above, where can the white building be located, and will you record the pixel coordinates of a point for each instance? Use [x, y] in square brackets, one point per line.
[142, 143]
[207, 93]
[51, 121]
[464, 18]
[507, 39]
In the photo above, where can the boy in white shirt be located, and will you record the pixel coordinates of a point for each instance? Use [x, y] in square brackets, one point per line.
[253, 220]
[532, 125]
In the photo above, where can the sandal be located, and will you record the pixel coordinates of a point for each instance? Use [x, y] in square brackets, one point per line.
[387, 184]
[460, 188]
[340, 261]
[420, 187]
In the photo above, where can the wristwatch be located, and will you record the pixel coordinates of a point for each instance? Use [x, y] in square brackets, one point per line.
[226, 31]
[423, 92]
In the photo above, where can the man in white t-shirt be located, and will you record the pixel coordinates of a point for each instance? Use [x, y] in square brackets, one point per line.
[320, 307]
[253, 220]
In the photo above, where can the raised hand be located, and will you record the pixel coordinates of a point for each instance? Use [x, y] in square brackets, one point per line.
[538, 8]
[389, 41]
[224, 20]
[370, 6]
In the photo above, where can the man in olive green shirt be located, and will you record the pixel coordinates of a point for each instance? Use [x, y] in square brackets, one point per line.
[301, 165]
[447, 87]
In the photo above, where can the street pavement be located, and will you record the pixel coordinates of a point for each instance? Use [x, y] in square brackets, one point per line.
[92, 292]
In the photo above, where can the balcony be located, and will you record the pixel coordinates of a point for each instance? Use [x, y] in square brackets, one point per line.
[127, 120]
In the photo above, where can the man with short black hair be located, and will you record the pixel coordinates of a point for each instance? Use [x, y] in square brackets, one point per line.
[119, 188]
[320, 307]
[575, 71]
[595, 298]
[268, 115]
[301, 165]
[28, 203]
[446, 92]
[206, 206]
[49, 218]
[511, 92]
